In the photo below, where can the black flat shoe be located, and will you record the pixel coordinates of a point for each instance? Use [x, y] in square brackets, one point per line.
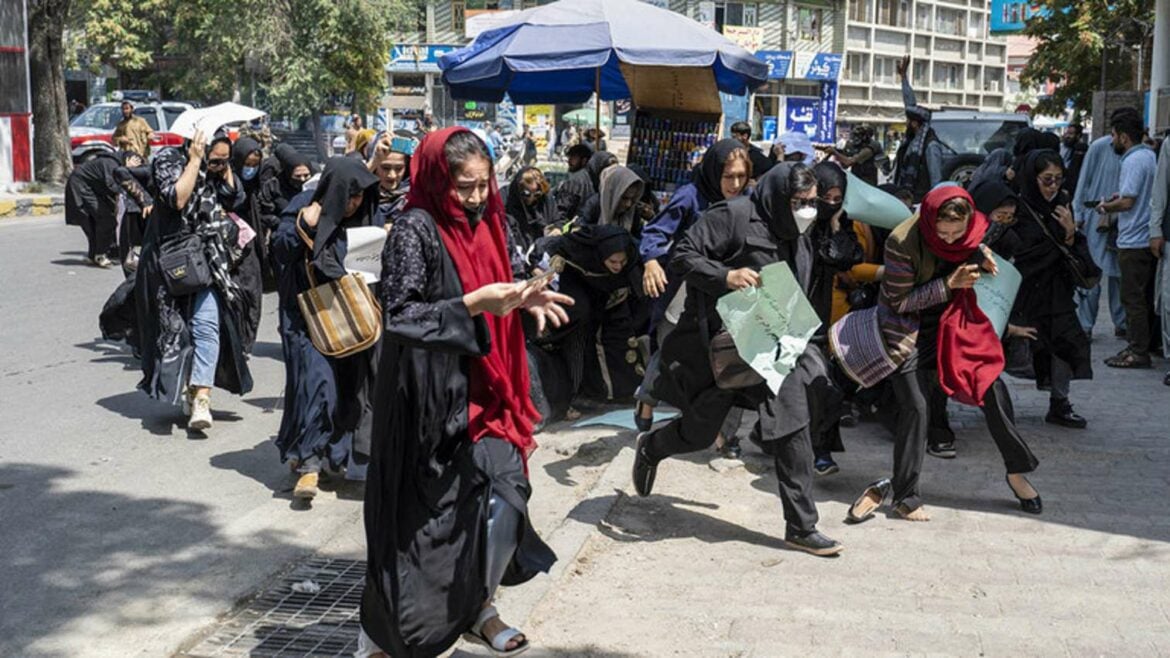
[1060, 412]
[1029, 505]
[1166, 381]
[731, 449]
[644, 468]
[869, 501]
[643, 424]
[813, 543]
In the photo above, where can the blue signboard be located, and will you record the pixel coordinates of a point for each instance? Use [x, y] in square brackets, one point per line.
[827, 119]
[815, 117]
[769, 129]
[778, 61]
[417, 58]
[824, 66]
[1010, 16]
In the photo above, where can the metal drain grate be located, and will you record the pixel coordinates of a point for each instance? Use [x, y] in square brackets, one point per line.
[281, 622]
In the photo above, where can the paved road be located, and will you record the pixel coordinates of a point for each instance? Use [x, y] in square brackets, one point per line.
[121, 534]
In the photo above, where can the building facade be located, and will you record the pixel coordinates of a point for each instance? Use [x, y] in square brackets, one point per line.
[16, 164]
[956, 62]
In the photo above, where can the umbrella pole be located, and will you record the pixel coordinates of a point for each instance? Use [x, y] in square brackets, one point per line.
[597, 105]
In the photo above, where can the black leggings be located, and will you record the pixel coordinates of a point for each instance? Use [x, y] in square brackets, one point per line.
[911, 388]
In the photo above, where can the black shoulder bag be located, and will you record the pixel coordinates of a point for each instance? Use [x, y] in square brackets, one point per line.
[1077, 260]
[184, 265]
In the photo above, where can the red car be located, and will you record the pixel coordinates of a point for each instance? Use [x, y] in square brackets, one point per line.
[93, 130]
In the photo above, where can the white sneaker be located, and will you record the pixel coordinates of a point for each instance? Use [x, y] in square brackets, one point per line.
[200, 414]
[103, 261]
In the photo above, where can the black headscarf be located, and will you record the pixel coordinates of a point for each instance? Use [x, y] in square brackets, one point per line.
[1034, 163]
[587, 248]
[1030, 140]
[772, 200]
[244, 147]
[708, 176]
[289, 159]
[829, 175]
[343, 177]
[991, 194]
[530, 219]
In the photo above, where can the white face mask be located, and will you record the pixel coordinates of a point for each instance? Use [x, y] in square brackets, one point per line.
[804, 218]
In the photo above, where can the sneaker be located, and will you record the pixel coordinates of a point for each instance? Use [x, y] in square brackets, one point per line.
[942, 450]
[850, 416]
[825, 466]
[813, 543]
[103, 261]
[200, 420]
[306, 488]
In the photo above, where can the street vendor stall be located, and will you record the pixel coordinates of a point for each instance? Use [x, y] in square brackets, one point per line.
[671, 67]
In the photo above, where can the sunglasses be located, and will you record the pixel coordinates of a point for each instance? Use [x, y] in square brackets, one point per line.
[217, 162]
[1049, 181]
[797, 204]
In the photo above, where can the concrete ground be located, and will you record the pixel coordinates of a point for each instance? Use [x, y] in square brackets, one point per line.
[123, 536]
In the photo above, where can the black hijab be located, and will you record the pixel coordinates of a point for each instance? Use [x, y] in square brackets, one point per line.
[708, 176]
[289, 159]
[244, 147]
[772, 199]
[343, 177]
[587, 248]
[829, 175]
[529, 218]
[1028, 141]
[991, 194]
[1034, 163]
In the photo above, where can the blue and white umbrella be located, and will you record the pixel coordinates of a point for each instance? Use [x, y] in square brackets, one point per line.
[565, 51]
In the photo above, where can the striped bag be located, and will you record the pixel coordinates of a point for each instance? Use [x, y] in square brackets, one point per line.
[342, 315]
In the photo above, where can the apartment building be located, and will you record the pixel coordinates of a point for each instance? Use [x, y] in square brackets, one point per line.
[956, 62]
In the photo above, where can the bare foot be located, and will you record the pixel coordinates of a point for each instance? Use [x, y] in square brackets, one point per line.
[1021, 486]
[494, 627]
[645, 410]
[919, 515]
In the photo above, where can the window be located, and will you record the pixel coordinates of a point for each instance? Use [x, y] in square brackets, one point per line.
[885, 70]
[857, 67]
[950, 21]
[895, 13]
[150, 114]
[948, 76]
[861, 11]
[743, 14]
[922, 22]
[172, 112]
[458, 18]
[808, 24]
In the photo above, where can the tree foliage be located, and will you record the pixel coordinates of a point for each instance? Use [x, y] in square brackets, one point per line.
[1073, 37]
[301, 52]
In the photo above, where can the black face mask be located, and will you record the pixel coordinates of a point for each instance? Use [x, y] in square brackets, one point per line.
[825, 211]
[474, 214]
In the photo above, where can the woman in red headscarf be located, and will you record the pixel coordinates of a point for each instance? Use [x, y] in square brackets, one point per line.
[933, 334]
[446, 495]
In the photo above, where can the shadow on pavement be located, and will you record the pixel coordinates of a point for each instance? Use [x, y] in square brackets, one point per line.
[158, 418]
[111, 352]
[593, 453]
[83, 561]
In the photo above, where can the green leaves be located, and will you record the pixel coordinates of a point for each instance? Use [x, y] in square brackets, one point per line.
[301, 53]
[1073, 39]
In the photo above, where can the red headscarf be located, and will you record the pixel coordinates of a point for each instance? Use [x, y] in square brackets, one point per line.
[970, 355]
[498, 400]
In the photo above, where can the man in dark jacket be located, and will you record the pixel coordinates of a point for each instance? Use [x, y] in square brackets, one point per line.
[760, 163]
[1072, 152]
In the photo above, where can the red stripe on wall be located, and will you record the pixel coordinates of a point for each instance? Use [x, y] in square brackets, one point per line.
[11, 49]
[21, 149]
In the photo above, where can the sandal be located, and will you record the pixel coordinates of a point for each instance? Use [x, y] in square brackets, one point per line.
[870, 500]
[498, 645]
[1128, 359]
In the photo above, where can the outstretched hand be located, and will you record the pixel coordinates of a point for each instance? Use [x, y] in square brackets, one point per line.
[547, 307]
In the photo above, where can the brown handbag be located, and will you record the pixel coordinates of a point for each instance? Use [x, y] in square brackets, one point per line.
[729, 368]
[342, 315]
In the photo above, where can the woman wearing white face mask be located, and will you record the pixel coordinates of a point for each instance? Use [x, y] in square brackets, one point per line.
[724, 251]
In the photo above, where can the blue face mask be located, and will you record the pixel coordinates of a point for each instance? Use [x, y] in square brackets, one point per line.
[248, 173]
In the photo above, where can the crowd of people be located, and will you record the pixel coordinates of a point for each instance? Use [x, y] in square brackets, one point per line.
[500, 311]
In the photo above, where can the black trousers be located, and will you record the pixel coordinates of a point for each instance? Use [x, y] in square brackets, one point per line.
[915, 391]
[101, 234]
[1137, 269]
[696, 428]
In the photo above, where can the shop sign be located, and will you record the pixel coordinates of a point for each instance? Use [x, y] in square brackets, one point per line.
[1011, 16]
[815, 117]
[749, 38]
[778, 61]
[417, 57]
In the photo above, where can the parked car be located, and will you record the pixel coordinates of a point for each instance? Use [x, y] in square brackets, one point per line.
[93, 130]
[967, 137]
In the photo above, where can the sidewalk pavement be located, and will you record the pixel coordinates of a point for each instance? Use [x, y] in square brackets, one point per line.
[24, 205]
[700, 569]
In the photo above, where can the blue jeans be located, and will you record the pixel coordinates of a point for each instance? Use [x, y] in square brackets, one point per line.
[1089, 300]
[205, 336]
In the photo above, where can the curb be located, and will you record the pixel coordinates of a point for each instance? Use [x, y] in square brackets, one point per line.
[32, 206]
[571, 536]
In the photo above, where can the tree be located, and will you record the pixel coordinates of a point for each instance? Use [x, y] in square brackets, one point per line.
[46, 27]
[1072, 38]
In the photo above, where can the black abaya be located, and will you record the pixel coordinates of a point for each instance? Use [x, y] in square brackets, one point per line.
[428, 486]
